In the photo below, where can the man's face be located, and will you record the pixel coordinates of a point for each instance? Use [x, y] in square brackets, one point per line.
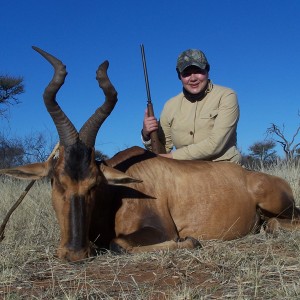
[194, 79]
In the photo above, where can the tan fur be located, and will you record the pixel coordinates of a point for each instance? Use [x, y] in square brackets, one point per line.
[204, 200]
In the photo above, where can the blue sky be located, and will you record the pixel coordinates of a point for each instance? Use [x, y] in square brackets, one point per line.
[253, 47]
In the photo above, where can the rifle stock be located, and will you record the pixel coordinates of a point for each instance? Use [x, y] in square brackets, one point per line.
[156, 145]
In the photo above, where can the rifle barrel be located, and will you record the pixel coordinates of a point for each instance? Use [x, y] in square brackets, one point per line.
[145, 73]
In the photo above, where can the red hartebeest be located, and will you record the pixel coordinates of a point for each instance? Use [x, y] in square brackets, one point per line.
[138, 201]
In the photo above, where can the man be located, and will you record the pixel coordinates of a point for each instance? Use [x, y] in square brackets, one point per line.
[201, 121]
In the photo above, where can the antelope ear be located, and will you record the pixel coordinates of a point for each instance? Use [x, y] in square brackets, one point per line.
[115, 177]
[31, 171]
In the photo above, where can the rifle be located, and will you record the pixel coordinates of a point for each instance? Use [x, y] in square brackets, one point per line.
[156, 145]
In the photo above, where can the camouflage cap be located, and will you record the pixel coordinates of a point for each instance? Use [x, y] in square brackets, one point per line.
[192, 57]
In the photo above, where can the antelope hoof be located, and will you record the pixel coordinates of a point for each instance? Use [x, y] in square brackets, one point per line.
[194, 243]
[116, 248]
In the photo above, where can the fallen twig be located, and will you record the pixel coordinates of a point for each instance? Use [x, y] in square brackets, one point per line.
[18, 202]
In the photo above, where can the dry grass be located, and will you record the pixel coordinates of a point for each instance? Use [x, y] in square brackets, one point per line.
[255, 267]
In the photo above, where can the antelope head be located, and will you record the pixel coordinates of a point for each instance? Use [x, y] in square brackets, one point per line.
[76, 178]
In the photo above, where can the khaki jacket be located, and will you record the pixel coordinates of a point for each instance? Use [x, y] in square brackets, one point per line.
[204, 129]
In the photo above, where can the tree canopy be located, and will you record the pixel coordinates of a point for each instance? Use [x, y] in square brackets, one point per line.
[10, 88]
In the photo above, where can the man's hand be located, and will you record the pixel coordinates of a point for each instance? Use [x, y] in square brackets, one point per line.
[150, 124]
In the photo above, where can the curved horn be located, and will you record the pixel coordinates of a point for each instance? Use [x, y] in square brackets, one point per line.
[89, 130]
[68, 134]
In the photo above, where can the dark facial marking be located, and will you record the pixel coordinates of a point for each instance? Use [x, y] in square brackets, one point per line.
[77, 161]
[78, 221]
